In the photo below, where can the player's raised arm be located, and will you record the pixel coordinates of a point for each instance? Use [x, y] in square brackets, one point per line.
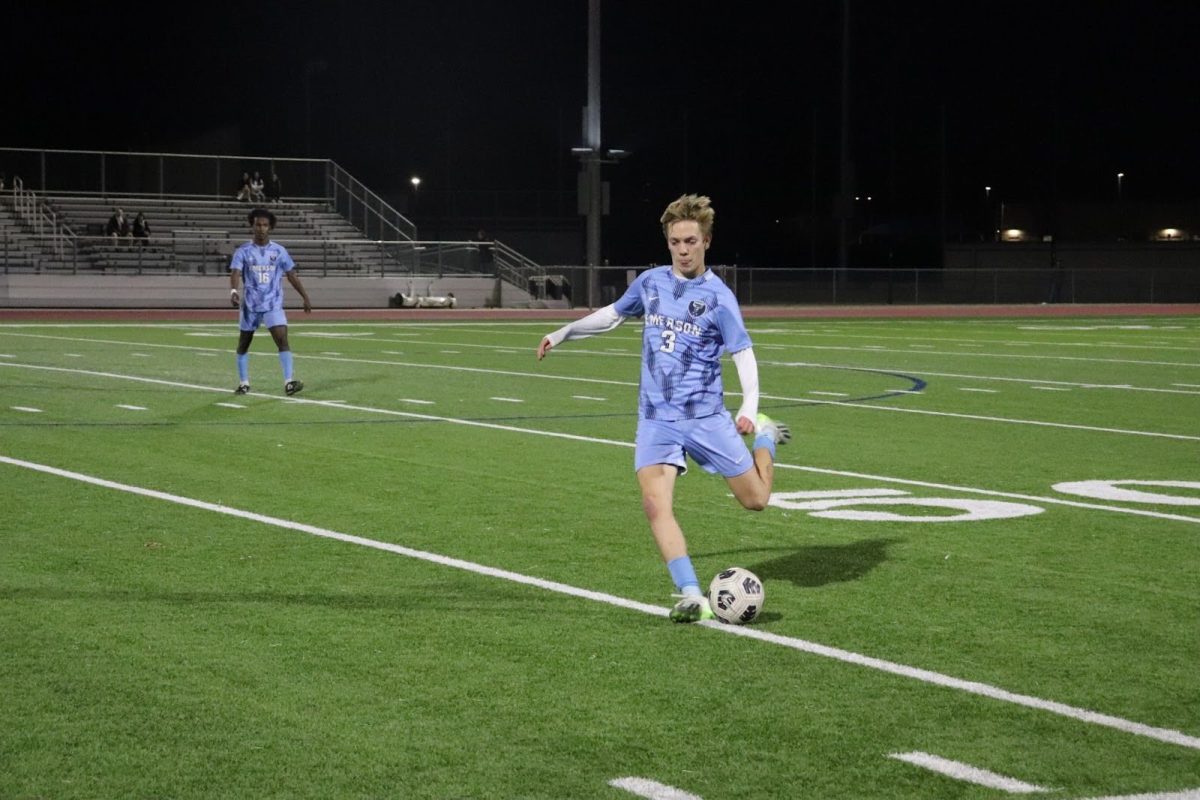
[600, 321]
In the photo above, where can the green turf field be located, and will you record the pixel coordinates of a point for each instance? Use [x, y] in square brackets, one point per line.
[429, 574]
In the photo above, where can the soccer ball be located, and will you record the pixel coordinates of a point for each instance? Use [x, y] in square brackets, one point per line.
[736, 595]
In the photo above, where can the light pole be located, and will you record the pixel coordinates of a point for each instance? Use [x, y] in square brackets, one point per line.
[1120, 180]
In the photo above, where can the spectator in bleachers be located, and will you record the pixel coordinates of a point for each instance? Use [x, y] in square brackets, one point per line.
[256, 188]
[117, 227]
[274, 188]
[141, 228]
[243, 192]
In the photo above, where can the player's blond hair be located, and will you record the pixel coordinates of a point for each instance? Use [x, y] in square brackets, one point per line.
[694, 207]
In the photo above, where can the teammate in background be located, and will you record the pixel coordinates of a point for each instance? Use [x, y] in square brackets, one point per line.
[691, 317]
[258, 267]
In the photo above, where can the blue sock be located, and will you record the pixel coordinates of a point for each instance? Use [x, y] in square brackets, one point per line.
[243, 362]
[762, 440]
[285, 359]
[684, 575]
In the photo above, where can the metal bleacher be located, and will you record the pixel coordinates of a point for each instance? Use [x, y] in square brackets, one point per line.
[200, 235]
[53, 221]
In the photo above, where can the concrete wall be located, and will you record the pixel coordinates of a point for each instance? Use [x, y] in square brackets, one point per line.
[56, 290]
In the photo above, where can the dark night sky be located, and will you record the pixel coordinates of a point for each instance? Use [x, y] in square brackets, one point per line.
[735, 100]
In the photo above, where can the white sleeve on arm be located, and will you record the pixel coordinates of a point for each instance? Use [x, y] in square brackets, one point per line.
[600, 321]
[747, 368]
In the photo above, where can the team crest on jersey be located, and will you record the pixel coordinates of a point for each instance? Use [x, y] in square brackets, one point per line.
[696, 308]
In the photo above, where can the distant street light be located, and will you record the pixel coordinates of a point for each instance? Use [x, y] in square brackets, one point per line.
[1120, 179]
[416, 184]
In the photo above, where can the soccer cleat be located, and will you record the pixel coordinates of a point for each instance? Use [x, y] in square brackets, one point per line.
[243, 388]
[778, 431]
[291, 387]
[692, 608]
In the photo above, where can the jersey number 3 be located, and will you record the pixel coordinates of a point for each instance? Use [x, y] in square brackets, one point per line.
[668, 345]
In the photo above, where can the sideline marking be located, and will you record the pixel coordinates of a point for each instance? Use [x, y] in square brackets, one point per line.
[798, 400]
[915, 673]
[965, 772]
[597, 440]
[652, 790]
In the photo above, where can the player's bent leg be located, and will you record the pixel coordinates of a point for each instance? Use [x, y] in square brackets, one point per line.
[753, 487]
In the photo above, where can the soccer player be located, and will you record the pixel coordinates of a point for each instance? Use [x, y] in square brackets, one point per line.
[691, 317]
[257, 267]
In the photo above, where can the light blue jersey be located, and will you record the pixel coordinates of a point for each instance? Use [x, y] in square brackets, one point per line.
[688, 324]
[262, 268]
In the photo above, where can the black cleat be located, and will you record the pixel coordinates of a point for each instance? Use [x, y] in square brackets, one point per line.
[243, 388]
[291, 387]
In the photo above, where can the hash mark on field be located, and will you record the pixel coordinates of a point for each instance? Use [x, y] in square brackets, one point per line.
[965, 772]
[230, 405]
[26, 409]
[140, 355]
[414, 401]
[207, 354]
[392, 352]
[131, 408]
[7, 355]
[329, 353]
[1187, 385]
[453, 352]
[1051, 388]
[651, 790]
[586, 397]
[507, 399]
[73, 355]
[969, 389]
[830, 394]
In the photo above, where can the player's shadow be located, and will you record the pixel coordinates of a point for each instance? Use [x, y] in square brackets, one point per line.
[820, 565]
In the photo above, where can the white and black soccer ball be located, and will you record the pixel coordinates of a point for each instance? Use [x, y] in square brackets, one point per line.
[736, 595]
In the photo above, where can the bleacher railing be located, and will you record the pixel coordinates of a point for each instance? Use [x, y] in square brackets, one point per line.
[197, 251]
[197, 176]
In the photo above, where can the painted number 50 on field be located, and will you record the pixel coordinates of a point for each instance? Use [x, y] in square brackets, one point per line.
[872, 505]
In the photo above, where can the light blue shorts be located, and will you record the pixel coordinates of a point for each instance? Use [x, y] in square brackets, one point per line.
[250, 320]
[712, 442]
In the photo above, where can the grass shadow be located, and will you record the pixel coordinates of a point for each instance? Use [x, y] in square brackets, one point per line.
[820, 565]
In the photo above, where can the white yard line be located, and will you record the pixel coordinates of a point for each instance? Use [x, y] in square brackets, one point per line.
[968, 773]
[596, 440]
[651, 790]
[846, 656]
[894, 409]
